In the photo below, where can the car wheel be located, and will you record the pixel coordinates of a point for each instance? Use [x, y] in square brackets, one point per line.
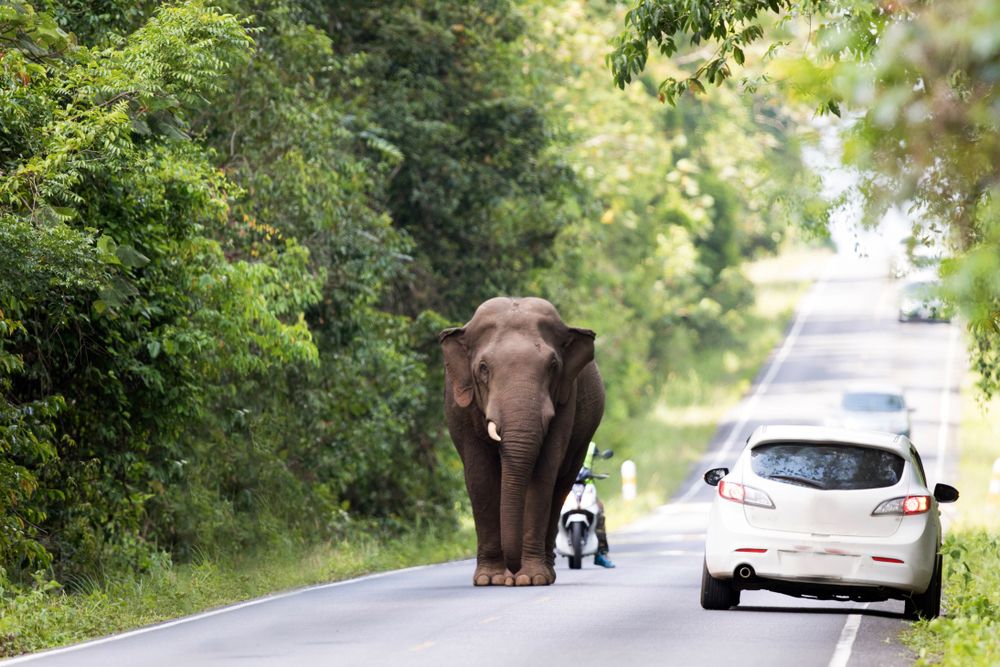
[717, 593]
[927, 604]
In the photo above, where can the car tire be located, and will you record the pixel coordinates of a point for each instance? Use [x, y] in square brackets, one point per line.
[717, 593]
[927, 604]
[576, 544]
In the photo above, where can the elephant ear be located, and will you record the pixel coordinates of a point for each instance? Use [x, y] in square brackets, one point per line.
[456, 364]
[578, 351]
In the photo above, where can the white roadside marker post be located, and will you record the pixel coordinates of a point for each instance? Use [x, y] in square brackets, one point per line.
[628, 481]
[994, 493]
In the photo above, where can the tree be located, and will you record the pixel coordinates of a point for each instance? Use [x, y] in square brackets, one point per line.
[478, 188]
[922, 81]
[119, 310]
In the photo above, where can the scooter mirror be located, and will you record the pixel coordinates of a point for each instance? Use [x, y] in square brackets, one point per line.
[607, 454]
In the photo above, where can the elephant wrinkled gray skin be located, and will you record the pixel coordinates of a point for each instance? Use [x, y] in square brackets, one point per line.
[523, 398]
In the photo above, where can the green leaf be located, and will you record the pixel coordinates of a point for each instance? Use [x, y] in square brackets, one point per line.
[154, 348]
[129, 256]
[111, 297]
[124, 287]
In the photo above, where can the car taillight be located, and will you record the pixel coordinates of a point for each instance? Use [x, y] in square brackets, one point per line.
[731, 491]
[746, 495]
[903, 505]
[916, 504]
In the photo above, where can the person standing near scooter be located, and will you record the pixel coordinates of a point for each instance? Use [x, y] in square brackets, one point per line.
[601, 557]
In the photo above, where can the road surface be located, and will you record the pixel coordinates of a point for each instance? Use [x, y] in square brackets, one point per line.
[645, 612]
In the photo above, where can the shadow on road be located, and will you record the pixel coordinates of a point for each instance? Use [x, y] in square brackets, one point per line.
[823, 610]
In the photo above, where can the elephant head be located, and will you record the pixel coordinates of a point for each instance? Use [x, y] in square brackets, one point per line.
[513, 368]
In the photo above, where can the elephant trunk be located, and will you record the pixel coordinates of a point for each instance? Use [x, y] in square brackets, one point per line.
[518, 455]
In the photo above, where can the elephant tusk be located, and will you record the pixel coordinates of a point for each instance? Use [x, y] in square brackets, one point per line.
[491, 427]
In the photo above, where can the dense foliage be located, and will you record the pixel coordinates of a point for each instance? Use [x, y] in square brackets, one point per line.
[922, 82]
[969, 634]
[230, 236]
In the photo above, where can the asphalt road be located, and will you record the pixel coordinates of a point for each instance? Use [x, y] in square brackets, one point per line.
[646, 611]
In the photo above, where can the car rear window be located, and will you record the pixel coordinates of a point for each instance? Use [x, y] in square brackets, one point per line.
[873, 402]
[827, 466]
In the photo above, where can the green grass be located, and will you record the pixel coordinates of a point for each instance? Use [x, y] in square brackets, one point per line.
[672, 437]
[968, 634]
[980, 442]
[43, 618]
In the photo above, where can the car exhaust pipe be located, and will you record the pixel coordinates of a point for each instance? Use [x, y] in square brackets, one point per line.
[745, 572]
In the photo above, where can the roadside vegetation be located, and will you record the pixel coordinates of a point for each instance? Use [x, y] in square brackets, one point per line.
[230, 236]
[968, 632]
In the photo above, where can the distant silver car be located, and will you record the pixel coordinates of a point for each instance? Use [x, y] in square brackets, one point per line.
[874, 407]
[825, 513]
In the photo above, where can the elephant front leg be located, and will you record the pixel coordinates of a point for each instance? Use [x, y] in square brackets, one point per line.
[482, 481]
[537, 563]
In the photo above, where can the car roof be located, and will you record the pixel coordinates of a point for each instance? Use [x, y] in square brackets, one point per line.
[874, 388]
[899, 444]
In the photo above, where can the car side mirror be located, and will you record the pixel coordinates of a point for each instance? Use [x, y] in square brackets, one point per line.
[607, 454]
[715, 475]
[945, 494]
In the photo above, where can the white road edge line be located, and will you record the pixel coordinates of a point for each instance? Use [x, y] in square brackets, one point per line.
[772, 371]
[845, 644]
[206, 614]
[942, 444]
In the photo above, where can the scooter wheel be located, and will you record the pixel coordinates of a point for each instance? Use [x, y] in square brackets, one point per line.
[576, 542]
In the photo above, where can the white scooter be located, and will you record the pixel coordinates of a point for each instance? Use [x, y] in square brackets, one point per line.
[578, 518]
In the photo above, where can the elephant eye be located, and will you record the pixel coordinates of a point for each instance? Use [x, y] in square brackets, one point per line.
[553, 368]
[484, 372]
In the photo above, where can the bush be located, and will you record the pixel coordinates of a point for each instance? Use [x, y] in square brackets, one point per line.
[969, 634]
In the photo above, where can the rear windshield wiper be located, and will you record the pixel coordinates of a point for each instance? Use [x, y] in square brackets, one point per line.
[801, 480]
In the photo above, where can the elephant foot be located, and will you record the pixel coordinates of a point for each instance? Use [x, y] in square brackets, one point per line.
[489, 574]
[534, 574]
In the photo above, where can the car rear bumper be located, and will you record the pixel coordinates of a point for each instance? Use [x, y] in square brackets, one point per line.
[840, 561]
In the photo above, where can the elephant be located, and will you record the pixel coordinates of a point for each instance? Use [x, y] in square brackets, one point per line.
[523, 399]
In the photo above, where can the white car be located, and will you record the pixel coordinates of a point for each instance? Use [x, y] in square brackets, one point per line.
[875, 407]
[825, 513]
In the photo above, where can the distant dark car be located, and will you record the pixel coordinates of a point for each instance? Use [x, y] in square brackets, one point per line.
[919, 301]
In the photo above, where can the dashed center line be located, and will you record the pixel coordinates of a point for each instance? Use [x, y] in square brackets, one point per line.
[421, 647]
[542, 600]
[490, 619]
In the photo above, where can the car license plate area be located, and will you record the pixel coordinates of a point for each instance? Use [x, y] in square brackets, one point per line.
[817, 564]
